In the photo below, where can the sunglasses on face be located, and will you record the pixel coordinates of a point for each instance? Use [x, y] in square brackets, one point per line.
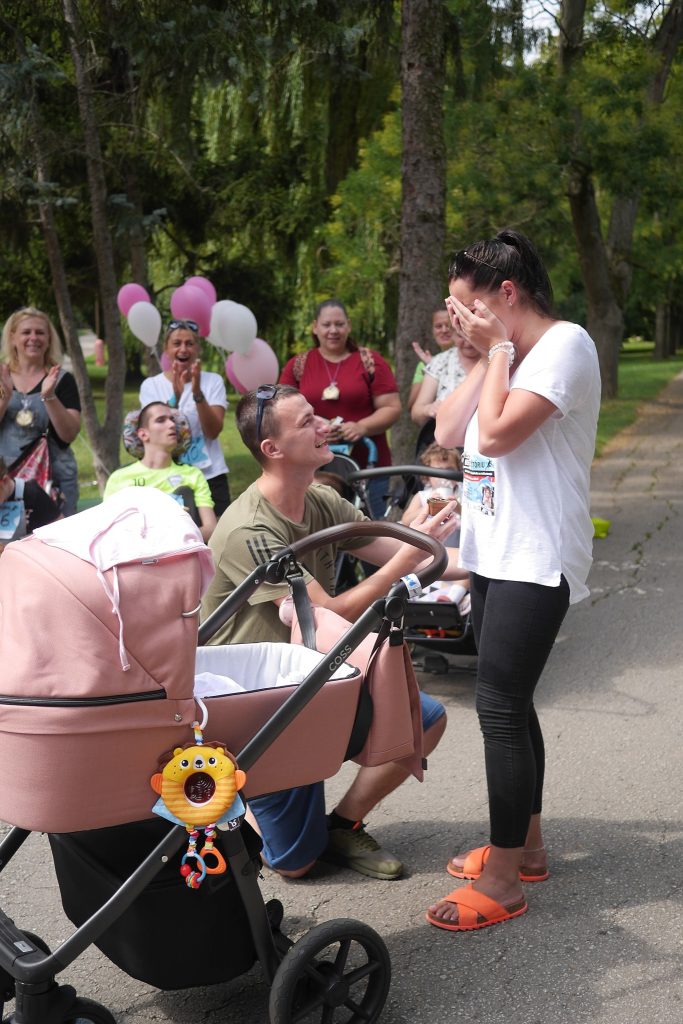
[191, 325]
[263, 394]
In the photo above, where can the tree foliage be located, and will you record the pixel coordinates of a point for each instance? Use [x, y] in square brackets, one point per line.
[260, 143]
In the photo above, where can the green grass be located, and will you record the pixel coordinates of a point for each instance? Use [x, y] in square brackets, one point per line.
[640, 379]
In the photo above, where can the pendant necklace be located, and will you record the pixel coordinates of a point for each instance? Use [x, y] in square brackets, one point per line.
[331, 393]
[25, 416]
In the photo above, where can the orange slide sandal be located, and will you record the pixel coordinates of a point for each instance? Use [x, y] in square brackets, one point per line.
[475, 910]
[474, 863]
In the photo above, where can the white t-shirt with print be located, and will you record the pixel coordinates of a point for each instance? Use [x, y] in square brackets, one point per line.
[525, 515]
[203, 453]
[447, 370]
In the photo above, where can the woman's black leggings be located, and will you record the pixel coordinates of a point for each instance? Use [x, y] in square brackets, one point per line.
[515, 625]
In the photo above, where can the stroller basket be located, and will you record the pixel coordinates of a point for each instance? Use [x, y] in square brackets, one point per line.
[92, 866]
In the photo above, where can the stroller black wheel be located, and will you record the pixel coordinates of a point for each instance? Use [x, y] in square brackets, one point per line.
[85, 1011]
[338, 973]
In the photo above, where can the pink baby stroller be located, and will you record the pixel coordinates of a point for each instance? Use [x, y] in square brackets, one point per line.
[93, 695]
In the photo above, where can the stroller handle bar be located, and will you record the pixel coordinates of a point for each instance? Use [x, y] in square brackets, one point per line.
[274, 570]
[365, 474]
[347, 531]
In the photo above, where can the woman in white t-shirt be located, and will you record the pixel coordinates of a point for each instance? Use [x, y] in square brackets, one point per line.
[527, 416]
[201, 396]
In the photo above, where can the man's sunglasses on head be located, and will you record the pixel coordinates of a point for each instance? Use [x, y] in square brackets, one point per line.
[263, 394]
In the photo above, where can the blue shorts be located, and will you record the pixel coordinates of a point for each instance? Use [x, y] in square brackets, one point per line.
[293, 822]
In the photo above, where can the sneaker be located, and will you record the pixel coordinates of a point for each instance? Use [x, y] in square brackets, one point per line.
[356, 849]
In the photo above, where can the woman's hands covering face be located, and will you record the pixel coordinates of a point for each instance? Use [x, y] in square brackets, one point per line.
[479, 326]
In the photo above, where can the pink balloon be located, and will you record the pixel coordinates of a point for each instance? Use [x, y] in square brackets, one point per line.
[128, 295]
[246, 370]
[231, 376]
[205, 285]
[190, 303]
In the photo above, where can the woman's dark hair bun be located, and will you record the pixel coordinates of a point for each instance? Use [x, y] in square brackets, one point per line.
[533, 277]
[509, 255]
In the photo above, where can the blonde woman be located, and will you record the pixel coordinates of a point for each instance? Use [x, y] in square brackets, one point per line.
[38, 397]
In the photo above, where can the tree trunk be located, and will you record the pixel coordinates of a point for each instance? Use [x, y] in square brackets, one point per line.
[676, 328]
[604, 317]
[108, 440]
[605, 320]
[124, 83]
[60, 285]
[63, 300]
[422, 277]
[138, 259]
[662, 330]
[664, 45]
[620, 244]
[607, 268]
[570, 24]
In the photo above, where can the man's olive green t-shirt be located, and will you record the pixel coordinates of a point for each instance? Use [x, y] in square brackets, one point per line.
[249, 533]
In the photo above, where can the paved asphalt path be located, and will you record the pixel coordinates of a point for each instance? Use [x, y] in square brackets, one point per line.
[602, 941]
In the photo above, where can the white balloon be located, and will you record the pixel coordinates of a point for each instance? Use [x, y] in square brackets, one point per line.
[233, 326]
[144, 320]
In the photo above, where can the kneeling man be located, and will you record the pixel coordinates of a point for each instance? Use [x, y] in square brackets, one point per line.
[281, 430]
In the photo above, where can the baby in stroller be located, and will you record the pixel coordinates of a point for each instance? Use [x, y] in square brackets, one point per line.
[435, 493]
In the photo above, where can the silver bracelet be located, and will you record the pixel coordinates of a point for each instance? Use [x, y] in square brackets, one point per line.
[45, 398]
[504, 346]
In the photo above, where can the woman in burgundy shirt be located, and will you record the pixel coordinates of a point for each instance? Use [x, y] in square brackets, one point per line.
[341, 380]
